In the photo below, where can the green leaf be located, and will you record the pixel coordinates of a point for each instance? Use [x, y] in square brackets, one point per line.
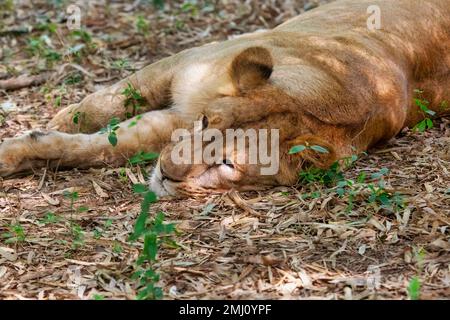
[139, 188]
[316, 195]
[422, 104]
[149, 198]
[297, 149]
[142, 157]
[49, 218]
[421, 126]
[429, 123]
[83, 209]
[361, 177]
[319, 149]
[112, 138]
[384, 199]
[151, 246]
[76, 116]
[414, 288]
[139, 226]
[71, 195]
[340, 192]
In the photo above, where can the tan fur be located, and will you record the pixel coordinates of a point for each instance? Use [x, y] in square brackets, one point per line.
[321, 78]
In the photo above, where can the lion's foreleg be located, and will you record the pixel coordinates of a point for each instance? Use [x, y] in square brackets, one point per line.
[112, 146]
[152, 83]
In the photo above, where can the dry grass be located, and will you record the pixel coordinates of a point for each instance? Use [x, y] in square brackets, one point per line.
[271, 244]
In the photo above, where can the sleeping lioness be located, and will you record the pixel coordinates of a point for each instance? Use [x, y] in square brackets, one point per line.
[324, 79]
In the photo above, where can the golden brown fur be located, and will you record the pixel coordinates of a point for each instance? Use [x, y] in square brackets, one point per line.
[321, 78]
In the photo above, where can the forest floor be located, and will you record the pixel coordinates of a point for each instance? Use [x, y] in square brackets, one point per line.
[381, 233]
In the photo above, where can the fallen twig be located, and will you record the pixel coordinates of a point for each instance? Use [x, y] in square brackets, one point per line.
[23, 81]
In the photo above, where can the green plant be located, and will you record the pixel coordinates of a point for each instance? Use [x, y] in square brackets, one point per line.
[155, 232]
[423, 105]
[76, 117]
[111, 129]
[123, 177]
[76, 230]
[82, 44]
[376, 193]
[303, 147]
[60, 92]
[190, 7]
[414, 288]
[16, 233]
[133, 99]
[38, 47]
[72, 196]
[49, 218]
[121, 64]
[77, 235]
[7, 5]
[142, 25]
[117, 248]
[414, 285]
[373, 193]
[46, 25]
[97, 296]
[326, 177]
[73, 78]
[142, 157]
[82, 35]
[98, 232]
[158, 4]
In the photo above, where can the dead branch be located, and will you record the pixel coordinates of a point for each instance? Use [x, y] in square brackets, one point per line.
[23, 81]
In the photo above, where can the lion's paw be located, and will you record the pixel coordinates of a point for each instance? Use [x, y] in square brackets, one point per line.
[9, 158]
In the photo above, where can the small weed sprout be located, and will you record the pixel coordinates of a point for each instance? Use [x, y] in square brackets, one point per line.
[133, 99]
[121, 65]
[77, 235]
[111, 129]
[373, 192]
[142, 26]
[301, 147]
[72, 196]
[154, 232]
[15, 234]
[75, 229]
[423, 105]
[49, 218]
[414, 285]
[39, 47]
[142, 158]
[84, 44]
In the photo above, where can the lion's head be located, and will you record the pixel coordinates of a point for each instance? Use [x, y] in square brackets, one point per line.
[242, 140]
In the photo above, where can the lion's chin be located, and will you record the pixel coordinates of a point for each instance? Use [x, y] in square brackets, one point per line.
[156, 184]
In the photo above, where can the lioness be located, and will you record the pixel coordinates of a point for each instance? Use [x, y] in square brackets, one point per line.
[324, 78]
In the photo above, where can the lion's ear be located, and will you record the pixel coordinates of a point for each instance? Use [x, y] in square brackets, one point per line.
[314, 150]
[251, 68]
